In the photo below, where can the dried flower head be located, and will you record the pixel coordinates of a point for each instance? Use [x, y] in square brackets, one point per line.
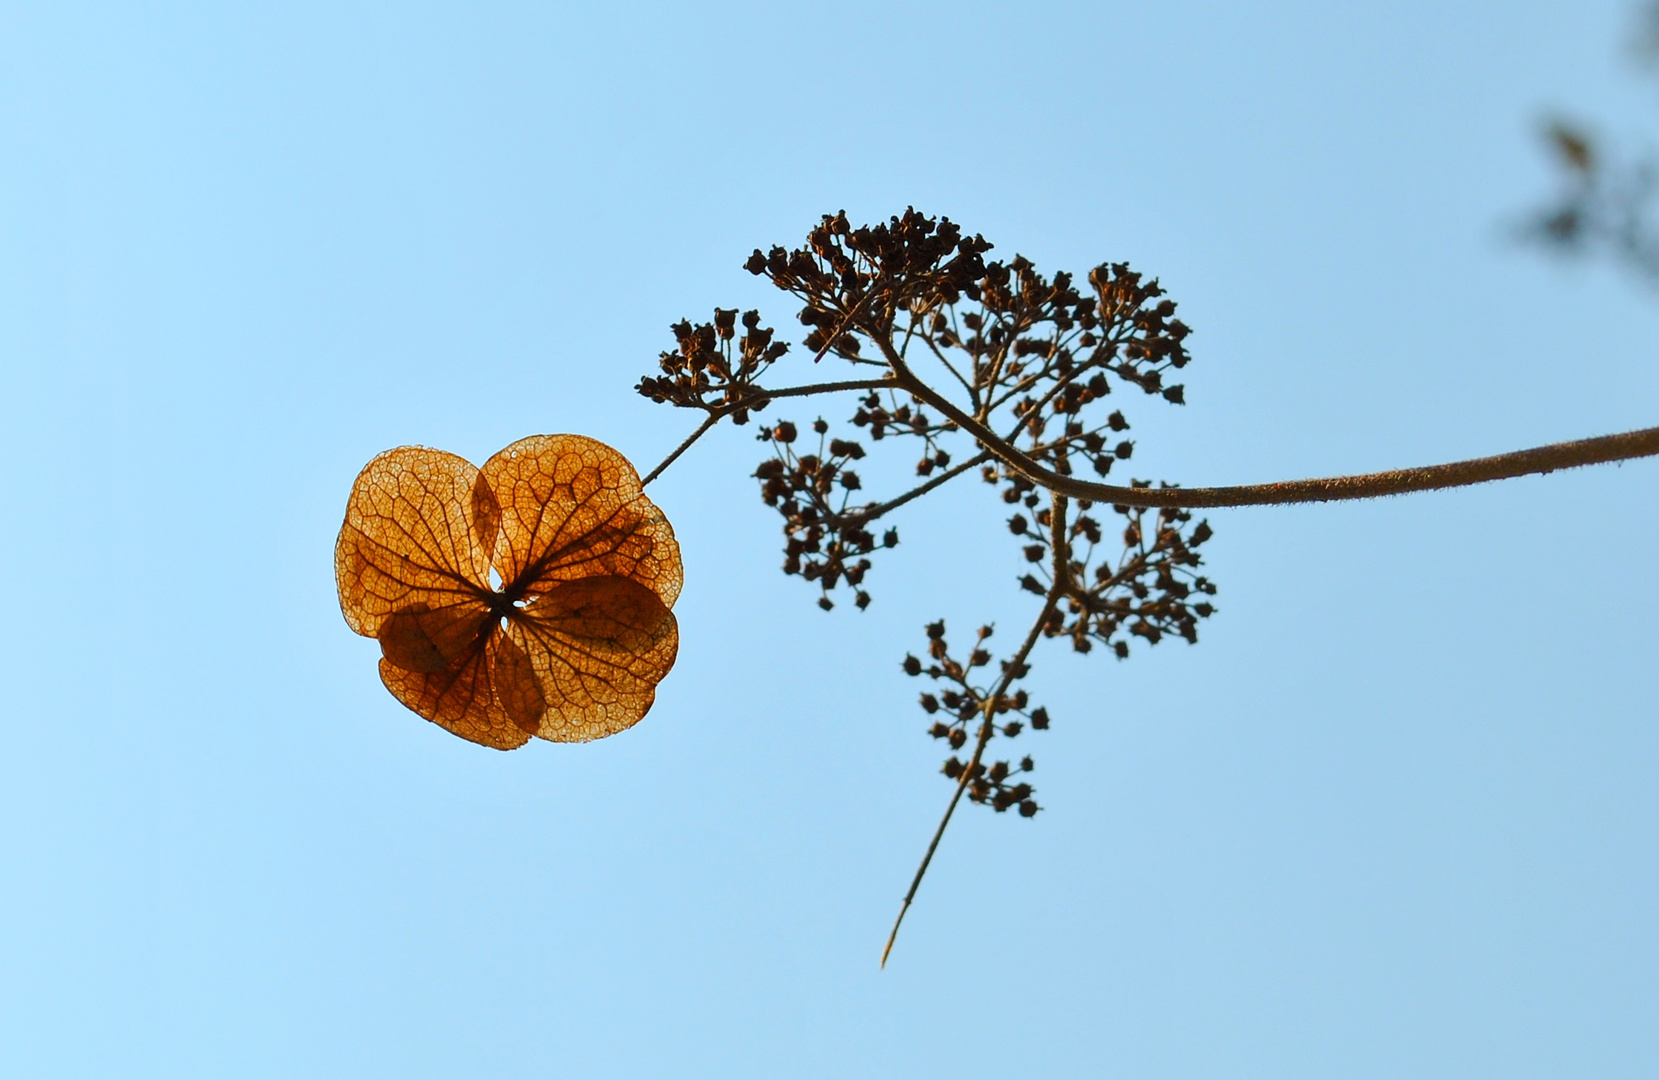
[996, 368]
[571, 643]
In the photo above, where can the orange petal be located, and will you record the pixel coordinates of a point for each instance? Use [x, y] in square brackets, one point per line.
[420, 527]
[598, 648]
[517, 687]
[572, 507]
[460, 697]
[424, 638]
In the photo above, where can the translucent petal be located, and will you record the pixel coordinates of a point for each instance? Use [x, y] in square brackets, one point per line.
[419, 529]
[598, 647]
[572, 508]
[423, 638]
[461, 697]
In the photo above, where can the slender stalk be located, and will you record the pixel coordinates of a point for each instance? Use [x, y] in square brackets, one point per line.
[761, 397]
[846, 321]
[1541, 459]
[882, 383]
[713, 419]
[871, 513]
[987, 728]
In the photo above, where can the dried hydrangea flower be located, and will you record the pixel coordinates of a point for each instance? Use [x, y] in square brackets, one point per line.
[527, 597]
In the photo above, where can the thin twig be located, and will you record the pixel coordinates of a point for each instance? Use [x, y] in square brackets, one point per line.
[871, 513]
[883, 383]
[757, 399]
[713, 419]
[847, 321]
[1062, 577]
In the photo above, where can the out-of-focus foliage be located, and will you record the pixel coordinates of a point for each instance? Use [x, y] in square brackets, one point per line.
[1606, 202]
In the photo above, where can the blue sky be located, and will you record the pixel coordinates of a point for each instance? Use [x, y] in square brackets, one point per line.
[1394, 815]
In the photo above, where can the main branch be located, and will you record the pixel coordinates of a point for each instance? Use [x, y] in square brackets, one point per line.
[1541, 459]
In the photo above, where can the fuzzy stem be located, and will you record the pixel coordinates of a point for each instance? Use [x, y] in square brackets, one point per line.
[1541, 459]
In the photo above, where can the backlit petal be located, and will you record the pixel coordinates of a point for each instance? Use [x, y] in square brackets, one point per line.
[461, 697]
[571, 508]
[420, 526]
[598, 648]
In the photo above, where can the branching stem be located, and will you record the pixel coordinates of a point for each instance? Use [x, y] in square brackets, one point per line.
[754, 401]
[861, 318]
[987, 728]
[871, 513]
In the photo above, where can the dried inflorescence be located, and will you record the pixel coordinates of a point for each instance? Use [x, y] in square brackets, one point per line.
[1150, 589]
[826, 540]
[533, 596]
[1035, 359]
[998, 708]
[876, 271]
[1030, 362]
[571, 643]
[713, 369]
[1035, 356]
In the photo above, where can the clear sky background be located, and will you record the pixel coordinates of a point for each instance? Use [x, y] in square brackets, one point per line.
[1395, 815]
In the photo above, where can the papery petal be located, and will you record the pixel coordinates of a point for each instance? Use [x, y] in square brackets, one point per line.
[420, 526]
[461, 697]
[571, 508]
[422, 638]
[517, 686]
[598, 647]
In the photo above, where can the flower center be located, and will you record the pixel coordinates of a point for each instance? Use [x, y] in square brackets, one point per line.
[502, 606]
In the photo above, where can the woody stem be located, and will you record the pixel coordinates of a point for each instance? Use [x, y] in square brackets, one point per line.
[1541, 459]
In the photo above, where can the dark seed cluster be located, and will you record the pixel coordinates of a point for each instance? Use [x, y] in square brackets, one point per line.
[825, 538]
[705, 370]
[919, 312]
[912, 263]
[1148, 588]
[994, 711]
[827, 534]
